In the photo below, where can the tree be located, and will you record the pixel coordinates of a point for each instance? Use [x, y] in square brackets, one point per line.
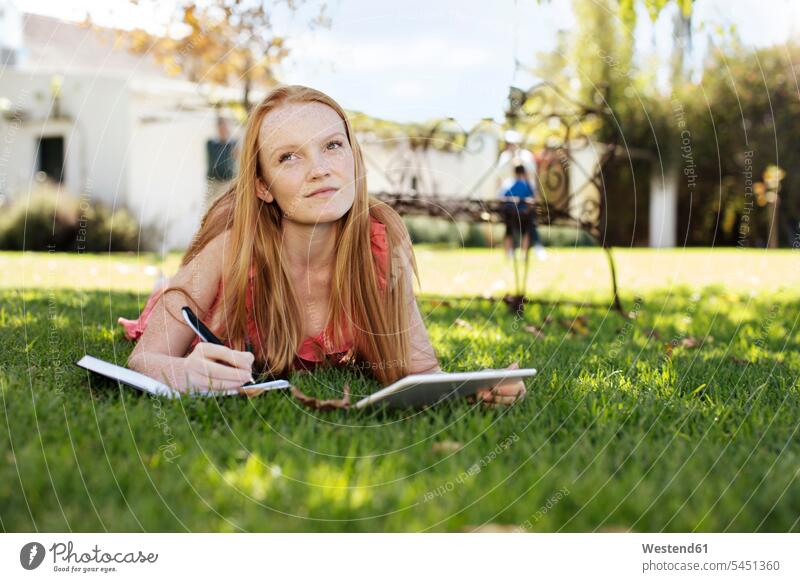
[744, 121]
[594, 65]
[228, 42]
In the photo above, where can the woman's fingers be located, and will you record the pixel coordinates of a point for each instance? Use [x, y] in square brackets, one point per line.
[502, 395]
[237, 359]
[483, 394]
[220, 365]
[508, 390]
[216, 371]
[203, 382]
[504, 392]
[505, 399]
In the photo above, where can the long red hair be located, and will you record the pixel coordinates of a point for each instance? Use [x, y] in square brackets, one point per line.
[378, 320]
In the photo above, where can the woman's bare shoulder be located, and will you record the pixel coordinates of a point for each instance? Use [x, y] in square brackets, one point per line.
[218, 249]
[203, 271]
[220, 246]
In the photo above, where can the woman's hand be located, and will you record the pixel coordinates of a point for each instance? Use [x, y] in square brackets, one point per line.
[214, 367]
[504, 392]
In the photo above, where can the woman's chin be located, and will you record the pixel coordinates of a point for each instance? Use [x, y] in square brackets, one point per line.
[330, 211]
[320, 218]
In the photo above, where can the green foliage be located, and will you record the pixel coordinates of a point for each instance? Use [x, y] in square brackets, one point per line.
[747, 102]
[424, 229]
[56, 220]
[227, 43]
[431, 230]
[705, 128]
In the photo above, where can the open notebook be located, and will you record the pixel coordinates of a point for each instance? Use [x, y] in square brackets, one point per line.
[148, 384]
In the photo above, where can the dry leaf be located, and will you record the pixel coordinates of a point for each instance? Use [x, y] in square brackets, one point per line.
[580, 328]
[463, 323]
[317, 404]
[446, 446]
[693, 342]
[688, 342]
[534, 330]
[653, 333]
[253, 392]
[575, 326]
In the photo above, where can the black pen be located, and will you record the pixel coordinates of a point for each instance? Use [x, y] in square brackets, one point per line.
[207, 335]
[199, 327]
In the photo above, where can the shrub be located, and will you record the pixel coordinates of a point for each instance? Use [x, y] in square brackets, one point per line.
[49, 219]
[430, 230]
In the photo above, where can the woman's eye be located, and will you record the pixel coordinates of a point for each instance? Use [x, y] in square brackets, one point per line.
[336, 143]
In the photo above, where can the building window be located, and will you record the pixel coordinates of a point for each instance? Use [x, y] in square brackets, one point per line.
[51, 158]
[220, 159]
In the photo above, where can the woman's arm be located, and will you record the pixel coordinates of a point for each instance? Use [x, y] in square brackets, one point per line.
[421, 353]
[161, 350]
[423, 357]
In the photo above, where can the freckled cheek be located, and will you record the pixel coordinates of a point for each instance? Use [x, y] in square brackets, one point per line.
[292, 177]
[287, 185]
[344, 163]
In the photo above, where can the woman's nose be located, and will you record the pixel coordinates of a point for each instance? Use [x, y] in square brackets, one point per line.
[321, 167]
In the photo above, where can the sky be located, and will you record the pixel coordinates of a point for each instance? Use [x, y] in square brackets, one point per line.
[422, 59]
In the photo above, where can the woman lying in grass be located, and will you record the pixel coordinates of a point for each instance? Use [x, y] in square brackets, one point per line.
[295, 265]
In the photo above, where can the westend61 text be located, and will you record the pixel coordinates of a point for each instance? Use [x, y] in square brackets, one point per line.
[671, 549]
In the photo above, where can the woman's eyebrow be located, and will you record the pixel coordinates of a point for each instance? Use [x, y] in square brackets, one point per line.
[295, 146]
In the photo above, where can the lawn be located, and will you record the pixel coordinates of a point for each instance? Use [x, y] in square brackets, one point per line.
[618, 432]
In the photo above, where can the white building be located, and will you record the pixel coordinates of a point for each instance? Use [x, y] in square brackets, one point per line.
[118, 131]
[122, 132]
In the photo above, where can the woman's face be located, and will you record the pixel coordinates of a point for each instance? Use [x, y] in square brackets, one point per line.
[303, 149]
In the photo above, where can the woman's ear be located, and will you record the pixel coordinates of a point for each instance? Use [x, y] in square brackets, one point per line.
[262, 191]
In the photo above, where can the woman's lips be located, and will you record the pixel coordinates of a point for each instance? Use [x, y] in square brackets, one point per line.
[323, 193]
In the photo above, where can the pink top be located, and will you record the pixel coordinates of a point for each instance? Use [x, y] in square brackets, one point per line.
[307, 352]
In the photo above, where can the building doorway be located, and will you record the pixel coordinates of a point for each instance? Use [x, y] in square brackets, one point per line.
[51, 158]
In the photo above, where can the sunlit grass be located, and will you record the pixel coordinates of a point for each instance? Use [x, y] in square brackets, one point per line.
[580, 273]
[695, 437]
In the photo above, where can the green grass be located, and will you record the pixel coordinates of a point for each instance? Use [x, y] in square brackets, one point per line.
[704, 440]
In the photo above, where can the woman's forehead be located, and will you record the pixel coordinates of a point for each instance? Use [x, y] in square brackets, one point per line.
[297, 124]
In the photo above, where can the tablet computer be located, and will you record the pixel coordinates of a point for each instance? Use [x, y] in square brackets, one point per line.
[418, 390]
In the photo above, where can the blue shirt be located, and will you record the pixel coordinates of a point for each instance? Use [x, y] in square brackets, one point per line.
[522, 190]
